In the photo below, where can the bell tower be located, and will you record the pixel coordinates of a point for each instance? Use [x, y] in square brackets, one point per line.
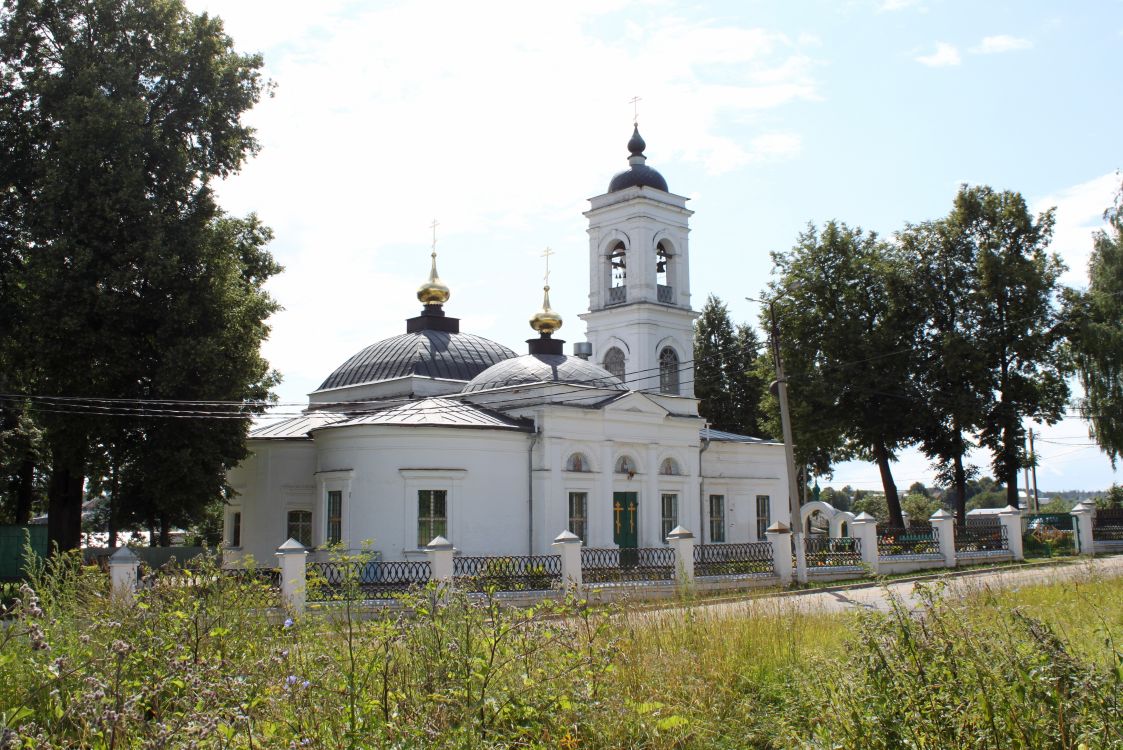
[640, 322]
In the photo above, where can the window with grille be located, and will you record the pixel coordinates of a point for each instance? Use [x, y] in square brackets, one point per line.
[668, 371]
[763, 511]
[299, 526]
[432, 515]
[579, 514]
[335, 517]
[717, 518]
[614, 362]
[236, 529]
[670, 513]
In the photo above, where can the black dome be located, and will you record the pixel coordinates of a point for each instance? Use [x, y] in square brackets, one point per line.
[639, 175]
[543, 368]
[426, 353]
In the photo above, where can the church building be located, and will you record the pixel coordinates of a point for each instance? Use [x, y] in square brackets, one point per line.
[440, 432]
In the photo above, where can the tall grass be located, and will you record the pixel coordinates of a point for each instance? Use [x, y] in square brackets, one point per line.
[1040, 667]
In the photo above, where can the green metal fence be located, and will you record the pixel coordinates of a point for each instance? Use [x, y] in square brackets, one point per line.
[13, 539]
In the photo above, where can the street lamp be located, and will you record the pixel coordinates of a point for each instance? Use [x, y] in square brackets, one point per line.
[780, 388]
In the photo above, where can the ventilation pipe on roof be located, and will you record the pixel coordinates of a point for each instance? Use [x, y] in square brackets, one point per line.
[583, 350]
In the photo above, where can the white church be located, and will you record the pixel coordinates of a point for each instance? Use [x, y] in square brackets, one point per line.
[439, 432]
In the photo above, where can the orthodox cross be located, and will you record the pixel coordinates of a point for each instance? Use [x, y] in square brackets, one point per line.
[547, 255]
[434, 226]
[634, 101]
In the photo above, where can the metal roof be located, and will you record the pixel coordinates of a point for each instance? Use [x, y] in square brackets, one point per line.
[426, 353]
[435, 412]
[709, 433]
[543, 368]
[295, 428]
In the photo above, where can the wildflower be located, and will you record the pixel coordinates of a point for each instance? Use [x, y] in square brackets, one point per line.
[291, 680]
[288, 623]
[306, 684]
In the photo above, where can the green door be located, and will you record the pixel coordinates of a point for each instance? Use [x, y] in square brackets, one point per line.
[625, 525]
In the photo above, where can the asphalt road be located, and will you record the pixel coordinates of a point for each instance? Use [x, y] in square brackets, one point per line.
[877, 596]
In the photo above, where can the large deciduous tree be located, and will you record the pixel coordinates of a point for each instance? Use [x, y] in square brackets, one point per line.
[1019, 336]
[130, 282]
[1096, 335]
[848, 316]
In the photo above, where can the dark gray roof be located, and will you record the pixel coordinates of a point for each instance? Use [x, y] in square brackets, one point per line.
[639, 174]
[426, 353]
[709, 433]
[295, 428]
[436, 412]
[543, 368]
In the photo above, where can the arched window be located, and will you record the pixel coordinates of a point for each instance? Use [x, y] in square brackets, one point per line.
[625, 465]
[577, 462]
[662, 263]
[618, 265]
[668, 371]
[669, 468]
[614, 362]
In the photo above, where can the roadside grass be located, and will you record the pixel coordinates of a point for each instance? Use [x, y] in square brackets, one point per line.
[187, 666]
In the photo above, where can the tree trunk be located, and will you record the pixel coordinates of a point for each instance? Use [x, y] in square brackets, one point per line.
[25, 489]
[64, 498]
[111, 512]
[881, 453]
[960, 491]
[165, 532]
[1010, 456]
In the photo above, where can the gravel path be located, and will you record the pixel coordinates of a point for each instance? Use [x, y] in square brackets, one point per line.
[876, 597]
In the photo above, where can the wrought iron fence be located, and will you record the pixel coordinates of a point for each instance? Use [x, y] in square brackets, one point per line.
[258, 587]
[1107, 532]
[823, 552]
[980, 539]
[612, 565]
[617, 295]
[665, 293]
[1045, 521]
[894, 541]
[752, 558]
[513, 573]
[373, 579]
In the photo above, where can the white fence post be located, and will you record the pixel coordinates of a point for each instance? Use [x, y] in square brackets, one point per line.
[440, 552]
[123, 565]
[944, 524]
[865, 530]
[292, 559]
[1011, 518]
[568, 546]
[780, 537]
[1085, 514]
[683, 543]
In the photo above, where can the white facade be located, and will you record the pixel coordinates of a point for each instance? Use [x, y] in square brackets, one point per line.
[386, 461]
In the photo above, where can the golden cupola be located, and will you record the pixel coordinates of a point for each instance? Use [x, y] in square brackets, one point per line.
[433, 291]
[546, 321]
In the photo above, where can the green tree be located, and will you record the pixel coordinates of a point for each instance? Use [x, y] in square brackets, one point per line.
[715, 363]
[849, 320]
[1096, 335]
[1019, 336]
[749, 386]
[950, 370]
[118, 114]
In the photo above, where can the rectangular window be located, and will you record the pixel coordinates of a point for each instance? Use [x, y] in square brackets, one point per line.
[299, 527]
[236, 529]
[670, 513]
[762, 516]
[335, 517]
[579, 514]
[717, 518]
[432, 518]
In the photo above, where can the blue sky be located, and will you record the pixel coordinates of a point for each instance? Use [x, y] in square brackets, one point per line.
[501, 119]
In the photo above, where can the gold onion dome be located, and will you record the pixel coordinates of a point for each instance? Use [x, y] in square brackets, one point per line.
[546, 321]
[433, 291]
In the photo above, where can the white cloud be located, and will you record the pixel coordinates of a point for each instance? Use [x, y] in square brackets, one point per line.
[1079, 213]
[888, 6]
[944, 56]
[1001, 43]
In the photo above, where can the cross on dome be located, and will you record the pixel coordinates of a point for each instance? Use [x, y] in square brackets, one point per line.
[433, 291]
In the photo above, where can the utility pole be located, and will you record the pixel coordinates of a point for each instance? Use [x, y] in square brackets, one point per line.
[1033, 470]
[781, 390]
